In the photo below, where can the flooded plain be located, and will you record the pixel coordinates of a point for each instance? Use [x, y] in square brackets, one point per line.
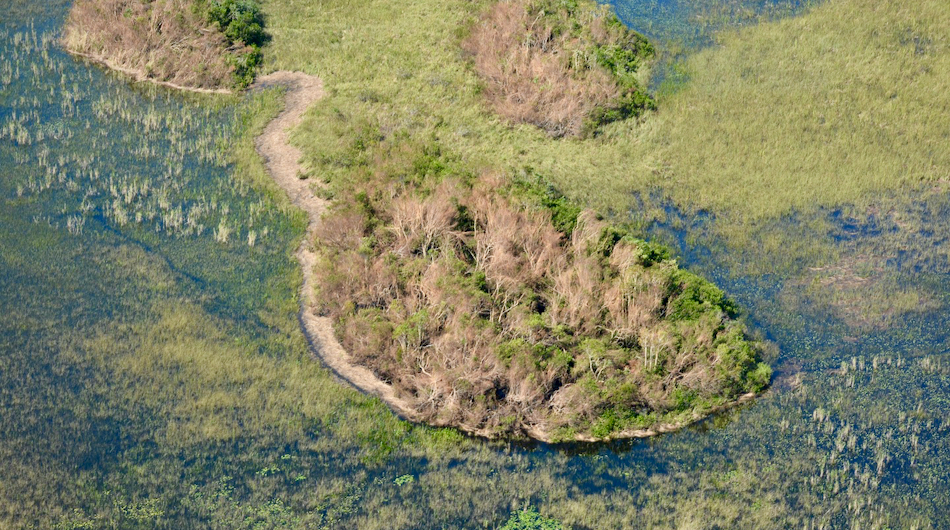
[153, 374]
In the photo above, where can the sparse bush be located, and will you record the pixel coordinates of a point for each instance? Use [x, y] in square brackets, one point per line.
[568, 67]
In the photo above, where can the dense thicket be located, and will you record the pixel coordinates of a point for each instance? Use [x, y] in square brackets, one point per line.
[567, 66]
[492, 303]
[191, 43]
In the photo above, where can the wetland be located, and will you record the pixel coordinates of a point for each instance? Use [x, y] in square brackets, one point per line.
[153, 371]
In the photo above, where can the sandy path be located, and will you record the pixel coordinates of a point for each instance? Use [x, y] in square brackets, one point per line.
[282, 161]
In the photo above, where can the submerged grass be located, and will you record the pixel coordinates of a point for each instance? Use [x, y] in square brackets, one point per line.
[825, 109]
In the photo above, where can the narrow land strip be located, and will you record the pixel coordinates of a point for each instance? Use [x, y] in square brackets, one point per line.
[282, 161]
[140, 76]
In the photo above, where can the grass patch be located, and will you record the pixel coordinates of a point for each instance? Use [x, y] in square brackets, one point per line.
[834, 106]
[829, 108]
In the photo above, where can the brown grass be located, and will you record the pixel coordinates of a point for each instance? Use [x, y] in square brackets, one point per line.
[161, 40]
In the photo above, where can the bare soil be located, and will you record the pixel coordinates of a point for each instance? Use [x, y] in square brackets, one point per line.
[283, 162]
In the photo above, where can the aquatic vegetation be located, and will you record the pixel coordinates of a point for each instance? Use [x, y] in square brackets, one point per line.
[150, 379]
[766, 126]
[152, 196]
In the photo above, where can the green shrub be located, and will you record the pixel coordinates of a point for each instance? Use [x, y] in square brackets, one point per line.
[530, 519]
[536, 190]
[696, 296]
[629, 105]
[759, 377]
[239, 20]
[245, 66]
[650, 252]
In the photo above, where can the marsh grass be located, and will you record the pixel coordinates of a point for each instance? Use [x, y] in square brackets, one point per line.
[826, 109]
[848, 438]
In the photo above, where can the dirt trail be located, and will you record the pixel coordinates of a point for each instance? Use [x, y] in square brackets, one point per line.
[282, 161]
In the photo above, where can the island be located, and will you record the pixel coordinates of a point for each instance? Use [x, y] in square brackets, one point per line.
[465, 293]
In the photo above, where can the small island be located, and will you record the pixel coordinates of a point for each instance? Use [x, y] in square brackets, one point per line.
[475, 296]
[200, 45]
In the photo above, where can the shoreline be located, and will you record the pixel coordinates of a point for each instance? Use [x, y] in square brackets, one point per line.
[281, 160]
[139, 77]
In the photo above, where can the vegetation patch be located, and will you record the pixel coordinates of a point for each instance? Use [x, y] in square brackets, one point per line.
[205, 44]
[492, 303]
[567, 66]
[530, 519]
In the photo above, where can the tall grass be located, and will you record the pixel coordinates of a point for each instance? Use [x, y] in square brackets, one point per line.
[831, 107]
[133, 399]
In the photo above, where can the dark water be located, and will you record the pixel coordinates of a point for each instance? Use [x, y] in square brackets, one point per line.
[151, 374]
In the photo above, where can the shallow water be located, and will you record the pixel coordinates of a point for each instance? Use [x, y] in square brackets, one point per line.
[121, 212]
[681, 26]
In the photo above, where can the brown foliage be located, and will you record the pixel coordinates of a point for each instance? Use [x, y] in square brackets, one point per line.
[479, 311]
[534, 74]
[163, 40]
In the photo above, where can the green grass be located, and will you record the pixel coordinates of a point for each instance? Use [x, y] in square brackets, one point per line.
[846, 106]
[864, 445]
[833, 107]
[829, 108]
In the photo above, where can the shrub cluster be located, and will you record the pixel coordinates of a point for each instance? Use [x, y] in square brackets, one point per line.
[242, 23]
[491, 302]
[567, 66]
[192, 43]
